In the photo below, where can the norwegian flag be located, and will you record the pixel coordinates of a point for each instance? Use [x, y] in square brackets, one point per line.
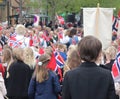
[13, 35]
[52, 65]
[35, 39]
[119, 15]
[116, 66]
[59, 60]
[14, 43]
[60, 35]
[59, 64]
[115, 24]
[61, 20]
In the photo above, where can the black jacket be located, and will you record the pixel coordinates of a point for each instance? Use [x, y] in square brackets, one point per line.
[88, 81]
[18, 81]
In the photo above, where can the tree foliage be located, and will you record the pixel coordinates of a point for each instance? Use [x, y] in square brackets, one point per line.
[75, 5]
[60, 6]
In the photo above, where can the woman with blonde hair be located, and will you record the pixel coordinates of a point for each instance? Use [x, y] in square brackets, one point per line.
[110, 54]
[73, 59]
[44, 83]
[19, 40]
[19, 77]
[7, 60]
[29, 58]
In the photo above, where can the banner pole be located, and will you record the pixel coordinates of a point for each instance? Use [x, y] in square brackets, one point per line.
[97, 21]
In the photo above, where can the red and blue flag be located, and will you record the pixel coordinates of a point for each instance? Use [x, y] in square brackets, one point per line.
[116, 66]
[59, 60]
[115, 24]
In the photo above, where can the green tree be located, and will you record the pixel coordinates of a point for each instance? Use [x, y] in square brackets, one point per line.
[65, 6]
[31, 5]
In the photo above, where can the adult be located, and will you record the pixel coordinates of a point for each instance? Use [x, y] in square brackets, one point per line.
[19, 77]
[89, 81]
[73, 59]
[19, 40]
[110, 54]
[29, 58]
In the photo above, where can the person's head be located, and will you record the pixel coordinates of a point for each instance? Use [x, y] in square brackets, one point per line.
[72, 32]
[110, 53]
[62, 48]
[20, 29]
[29, 58]
[73, 59]
[70, 48]
[40, 34]
[18, 54]
[67, 32]
[41, 72]
[11, 29]
[39, 28]
[89, 48]
[48, 50]
[7, 55]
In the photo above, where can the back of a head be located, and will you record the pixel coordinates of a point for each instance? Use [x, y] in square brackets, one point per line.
[48, 51]
[18, 54]
[111, 51]
[28, 51]
[73, 32]
[62, 46]
[20, 29]
[89, 48]
[29, 58]
[44, 58]
[73, 59]
[8, 55]
[41, 72]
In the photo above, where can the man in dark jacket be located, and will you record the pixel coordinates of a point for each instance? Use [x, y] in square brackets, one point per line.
[88, 81]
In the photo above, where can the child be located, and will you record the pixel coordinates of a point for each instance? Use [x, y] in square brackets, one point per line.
[44, 83]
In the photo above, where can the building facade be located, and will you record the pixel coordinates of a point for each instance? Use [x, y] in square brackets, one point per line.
[10, 9]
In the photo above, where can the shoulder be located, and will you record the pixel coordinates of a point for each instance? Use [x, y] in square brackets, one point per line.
[73, 72]
[19, 64]
[92, 71]
[52, 74]
[104, 69]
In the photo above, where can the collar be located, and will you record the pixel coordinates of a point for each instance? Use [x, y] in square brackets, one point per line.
[89, 64]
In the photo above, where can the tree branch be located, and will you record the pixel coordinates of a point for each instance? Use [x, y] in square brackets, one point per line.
[18, 2]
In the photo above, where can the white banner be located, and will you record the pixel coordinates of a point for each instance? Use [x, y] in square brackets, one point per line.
[98, 22]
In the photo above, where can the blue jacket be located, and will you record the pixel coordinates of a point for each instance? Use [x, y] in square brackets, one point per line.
[48, 89]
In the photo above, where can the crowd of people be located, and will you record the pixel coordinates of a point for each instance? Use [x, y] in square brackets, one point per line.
[38, 62]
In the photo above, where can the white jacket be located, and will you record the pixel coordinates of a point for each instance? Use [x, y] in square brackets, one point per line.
[3, 91]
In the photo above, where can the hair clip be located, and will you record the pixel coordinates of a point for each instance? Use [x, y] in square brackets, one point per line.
[40, 63]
